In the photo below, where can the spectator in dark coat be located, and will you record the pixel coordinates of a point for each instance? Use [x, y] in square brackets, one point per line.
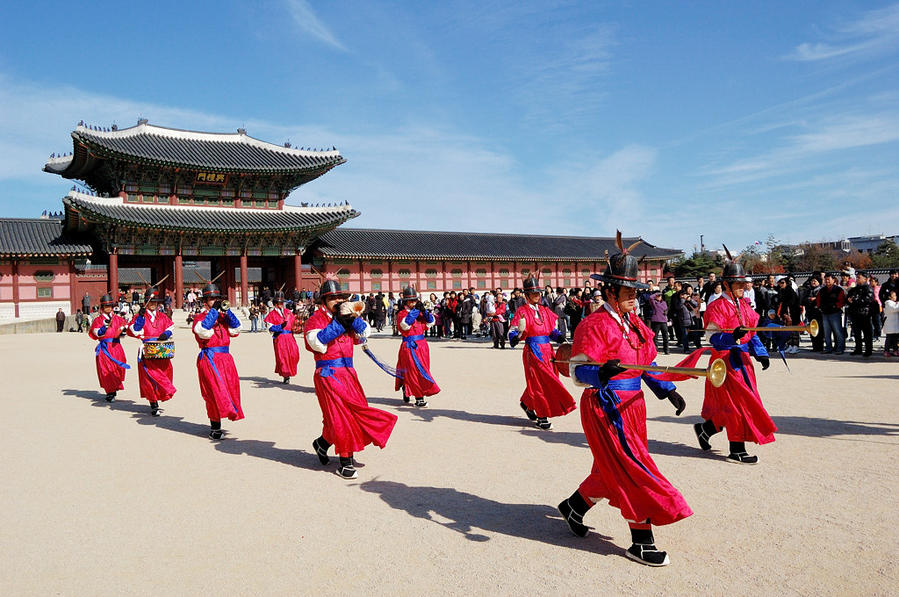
[862, 307]
[60, 320]
[830, 300]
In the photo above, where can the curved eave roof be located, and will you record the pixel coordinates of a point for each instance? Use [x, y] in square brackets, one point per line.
[360, 243]
[223, 152]
[207, 219]
[27, 237]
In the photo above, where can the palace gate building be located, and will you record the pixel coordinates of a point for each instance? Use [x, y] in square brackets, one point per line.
[184, 207]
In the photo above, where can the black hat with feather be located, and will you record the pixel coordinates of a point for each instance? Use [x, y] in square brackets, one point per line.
[733, 269]
[623, 268]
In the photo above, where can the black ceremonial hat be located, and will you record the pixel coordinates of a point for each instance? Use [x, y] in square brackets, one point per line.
[152, 294]
[623, 268]
[106, 299]
[733, 269]
[409, 293]
[331, 288]
[531, 285]
[211, 291]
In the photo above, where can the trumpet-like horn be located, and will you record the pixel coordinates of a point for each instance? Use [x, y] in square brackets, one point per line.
[716, 372]
[812, 329]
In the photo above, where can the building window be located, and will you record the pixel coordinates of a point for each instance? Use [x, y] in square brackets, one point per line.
[405, 274]
[343, 279]
[546, 273]
[481, 274]
[45, 292]
[431, 275]
[376, 286]
[376, 273]
[566, 278]
[504, 278]
[43, 276]
[457, 278]
[525, 272]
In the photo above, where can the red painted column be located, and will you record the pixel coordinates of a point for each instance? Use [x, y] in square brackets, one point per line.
[244, 281]
[297, 270]
[179, 281]
[74, 303]
[15, 285]
[114, 274]
[229, 276]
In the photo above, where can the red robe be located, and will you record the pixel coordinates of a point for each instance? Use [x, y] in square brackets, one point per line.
[287, 353]
[544, 392]
[219, 383]
[348, 422]
[154, 375]
[109, 350]
[414, 375]
[639, 492]
[736, 405]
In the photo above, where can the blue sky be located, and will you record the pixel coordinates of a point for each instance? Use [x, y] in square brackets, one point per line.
[664, 119]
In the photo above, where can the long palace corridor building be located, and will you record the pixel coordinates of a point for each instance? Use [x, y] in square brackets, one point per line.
[164, 204]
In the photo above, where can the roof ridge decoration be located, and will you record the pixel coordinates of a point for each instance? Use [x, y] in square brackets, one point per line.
[241, 137]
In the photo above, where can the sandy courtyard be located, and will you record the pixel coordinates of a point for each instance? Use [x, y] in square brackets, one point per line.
[102, 499]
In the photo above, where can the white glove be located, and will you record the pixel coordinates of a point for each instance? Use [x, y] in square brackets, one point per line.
[346, 308]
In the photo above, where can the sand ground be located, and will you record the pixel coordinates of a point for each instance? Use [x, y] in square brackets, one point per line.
[102, 499]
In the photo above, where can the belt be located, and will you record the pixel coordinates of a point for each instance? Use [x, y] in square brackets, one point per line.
[533, 342]
[328, 365]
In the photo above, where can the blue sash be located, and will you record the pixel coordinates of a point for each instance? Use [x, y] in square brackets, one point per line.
[609, 401]
[208, 352]
[736, 361]
[534, 342]
[327, 366]
[411, 343]
[102, 347]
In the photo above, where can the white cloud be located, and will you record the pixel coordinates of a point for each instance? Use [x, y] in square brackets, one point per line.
[309, 24]
[875, 32]
[421, 176]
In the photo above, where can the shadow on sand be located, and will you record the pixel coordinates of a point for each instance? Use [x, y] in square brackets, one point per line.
[265, 382]
[811, 426]
[140, 413]
[466, 514]
[579, 440]
[429, 413]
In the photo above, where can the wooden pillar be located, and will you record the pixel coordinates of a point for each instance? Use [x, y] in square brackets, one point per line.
[244, 280]
[297, 270]
[114, 274]
[229, 277]
[74, 303]
[15, 286]
[179, 281]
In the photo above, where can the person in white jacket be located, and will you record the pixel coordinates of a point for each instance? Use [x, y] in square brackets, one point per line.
[891, 325]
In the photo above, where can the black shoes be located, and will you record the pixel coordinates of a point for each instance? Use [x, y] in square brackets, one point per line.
[575, 521]
[216, 434]
[543, 423]
[742, 458]
[155, 411]
[346, 468]
[321, 450]
[702, 436]
[286, 380]
[110, 397]
[421, 402]
[407, 399]
[648, 554]
[531, 414]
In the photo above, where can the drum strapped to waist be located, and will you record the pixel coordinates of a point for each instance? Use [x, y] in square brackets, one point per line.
[159, 349]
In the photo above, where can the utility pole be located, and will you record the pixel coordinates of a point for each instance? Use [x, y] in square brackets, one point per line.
[701, 244]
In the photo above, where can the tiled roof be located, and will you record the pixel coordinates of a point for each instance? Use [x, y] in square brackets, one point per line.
[214, 151]
[207, 219]
[37, 238]
[412, 244]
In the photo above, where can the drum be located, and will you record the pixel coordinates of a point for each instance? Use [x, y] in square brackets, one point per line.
[156, 349]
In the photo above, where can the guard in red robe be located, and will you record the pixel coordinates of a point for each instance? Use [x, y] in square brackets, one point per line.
[613, 414]
[155, 375]
[736, 405]
[287, 353]
[413, 365]
[348, 422]
[544, 395]
[219, 384]
[107, 329]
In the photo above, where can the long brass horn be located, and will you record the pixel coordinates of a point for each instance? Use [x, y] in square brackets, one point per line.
[716, 372]
[812, 329]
